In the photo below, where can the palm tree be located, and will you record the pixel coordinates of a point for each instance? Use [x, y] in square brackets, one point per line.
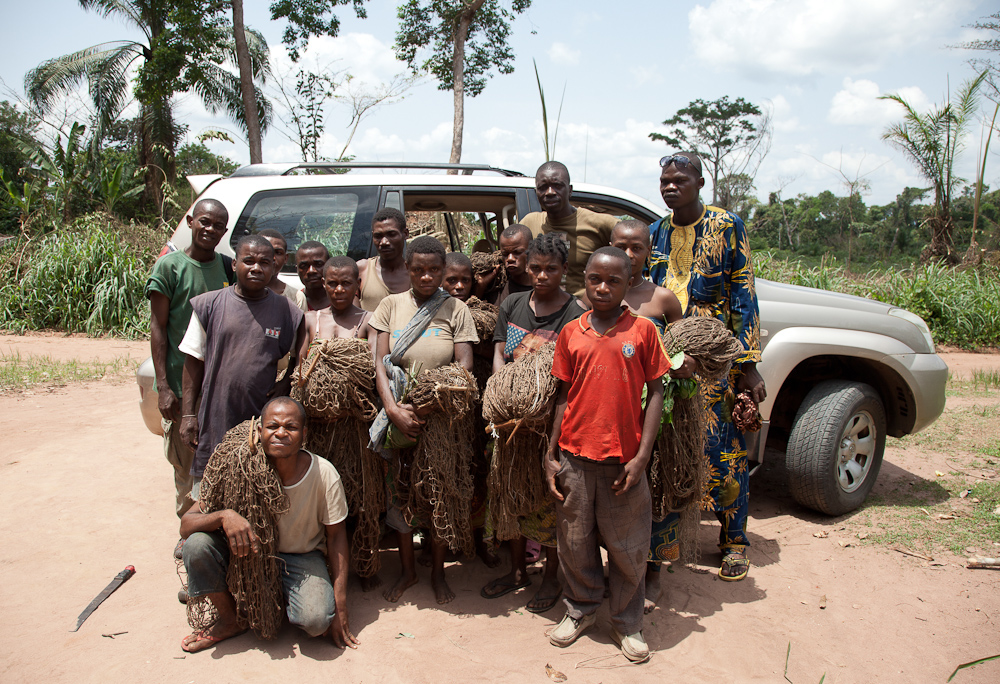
[933, 141]
[105, 68]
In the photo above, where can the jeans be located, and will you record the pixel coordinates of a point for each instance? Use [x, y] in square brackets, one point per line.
[305, 580]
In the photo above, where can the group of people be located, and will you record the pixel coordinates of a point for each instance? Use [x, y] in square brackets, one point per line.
[603, 291]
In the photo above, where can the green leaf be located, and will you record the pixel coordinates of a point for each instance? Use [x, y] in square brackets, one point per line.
[677, 360]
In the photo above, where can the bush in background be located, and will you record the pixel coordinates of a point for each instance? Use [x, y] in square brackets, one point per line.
[960, 306]
[88, 278]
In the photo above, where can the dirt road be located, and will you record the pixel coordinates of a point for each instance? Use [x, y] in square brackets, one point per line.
[85, 491]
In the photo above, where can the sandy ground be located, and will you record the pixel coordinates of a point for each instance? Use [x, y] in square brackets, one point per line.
[85, 491]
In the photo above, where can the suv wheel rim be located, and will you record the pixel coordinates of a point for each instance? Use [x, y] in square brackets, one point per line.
[857, 448]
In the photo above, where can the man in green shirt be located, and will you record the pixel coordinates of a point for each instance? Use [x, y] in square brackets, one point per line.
[176, 278]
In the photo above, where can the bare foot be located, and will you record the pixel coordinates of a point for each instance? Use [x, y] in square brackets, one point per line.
[393, 593]
[207, 638]
[370, 583]
[653, 590]
[442, 592]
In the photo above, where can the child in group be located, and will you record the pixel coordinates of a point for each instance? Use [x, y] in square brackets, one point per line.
[422, 328]
[662, 307]
[457, 276]
[342, 319]
[600, 445]
[458, 279]
[527, 321]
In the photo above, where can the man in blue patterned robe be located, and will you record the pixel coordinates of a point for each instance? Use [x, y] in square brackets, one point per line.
[702, 254]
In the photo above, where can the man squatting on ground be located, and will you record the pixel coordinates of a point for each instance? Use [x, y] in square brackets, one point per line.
[584, 230]
[702, 255]
[233, 343]
[176, 278]
[596, 463]
[309, 534]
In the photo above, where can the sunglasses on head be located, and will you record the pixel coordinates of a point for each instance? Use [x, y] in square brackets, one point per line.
[678, 159]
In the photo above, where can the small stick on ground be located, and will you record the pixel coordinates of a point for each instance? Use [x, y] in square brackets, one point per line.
[915, 555]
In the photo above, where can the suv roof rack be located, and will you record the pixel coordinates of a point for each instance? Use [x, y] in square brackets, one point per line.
[286, 168]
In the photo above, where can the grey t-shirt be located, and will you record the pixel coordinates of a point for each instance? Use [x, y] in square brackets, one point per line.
[242, 343]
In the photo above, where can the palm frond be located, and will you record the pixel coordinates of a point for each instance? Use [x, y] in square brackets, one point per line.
[123, 9]
[219, 90]
[51, 78]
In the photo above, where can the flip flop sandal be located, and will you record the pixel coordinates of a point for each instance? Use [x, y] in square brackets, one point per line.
[507, 587]
[731, 562]
[544, 603]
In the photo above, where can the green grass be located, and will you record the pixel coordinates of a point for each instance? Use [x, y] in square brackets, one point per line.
[906, 513]
[87, 278]
[961, 307]
[19, 373]
[987, 377]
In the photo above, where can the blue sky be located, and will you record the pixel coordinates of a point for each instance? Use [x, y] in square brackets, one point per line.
[819, 65]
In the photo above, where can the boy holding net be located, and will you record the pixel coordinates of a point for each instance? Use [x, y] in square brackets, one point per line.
[662, 307]
[598, 452]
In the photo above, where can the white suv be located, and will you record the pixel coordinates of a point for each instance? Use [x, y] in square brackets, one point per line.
[842, 372]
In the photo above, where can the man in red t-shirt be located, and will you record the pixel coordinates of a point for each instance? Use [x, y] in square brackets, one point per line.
[600, 445]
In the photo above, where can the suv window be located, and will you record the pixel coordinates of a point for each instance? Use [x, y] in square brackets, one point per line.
[459, 218]
[340, 218]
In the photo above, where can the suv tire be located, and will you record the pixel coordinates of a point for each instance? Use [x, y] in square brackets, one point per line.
[835, 448]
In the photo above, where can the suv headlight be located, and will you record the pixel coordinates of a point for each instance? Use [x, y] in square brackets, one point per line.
[917, 321]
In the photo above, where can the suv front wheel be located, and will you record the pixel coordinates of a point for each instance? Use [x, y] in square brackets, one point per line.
[835, 447]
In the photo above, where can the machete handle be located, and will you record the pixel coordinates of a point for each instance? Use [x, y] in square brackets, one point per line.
[126, 573]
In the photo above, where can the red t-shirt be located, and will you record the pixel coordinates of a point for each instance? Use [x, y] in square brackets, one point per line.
[606, 373]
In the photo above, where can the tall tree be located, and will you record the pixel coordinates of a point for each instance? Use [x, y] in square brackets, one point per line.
[731, 137]
[467, 39]
[933, 141]
[989, 23]
[185, 47]
[306, 18]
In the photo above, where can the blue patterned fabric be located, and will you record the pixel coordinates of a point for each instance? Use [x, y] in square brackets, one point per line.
[713, 276]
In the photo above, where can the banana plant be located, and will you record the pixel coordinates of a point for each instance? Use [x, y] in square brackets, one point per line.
[110, 187]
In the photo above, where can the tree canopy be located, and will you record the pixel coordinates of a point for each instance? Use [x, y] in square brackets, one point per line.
[466, 40]
[725, 134]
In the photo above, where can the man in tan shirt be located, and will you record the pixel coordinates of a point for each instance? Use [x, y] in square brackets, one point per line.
[584, 230]
[312, 535]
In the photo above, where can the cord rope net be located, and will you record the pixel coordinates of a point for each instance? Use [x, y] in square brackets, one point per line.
[336, 386]
[436, 485]
[518, 403]
[678, 470]
[239, 477]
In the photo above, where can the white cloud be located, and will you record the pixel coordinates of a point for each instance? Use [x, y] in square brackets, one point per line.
[563, 54]
[857, 104]
[363, 55]
[769, 38]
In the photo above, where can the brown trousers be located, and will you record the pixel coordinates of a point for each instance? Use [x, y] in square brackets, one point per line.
[592, 509]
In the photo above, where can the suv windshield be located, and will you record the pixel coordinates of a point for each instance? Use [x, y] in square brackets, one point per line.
[340, 218]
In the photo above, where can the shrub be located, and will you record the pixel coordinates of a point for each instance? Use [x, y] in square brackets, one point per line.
[85, 279]
[961, 307]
